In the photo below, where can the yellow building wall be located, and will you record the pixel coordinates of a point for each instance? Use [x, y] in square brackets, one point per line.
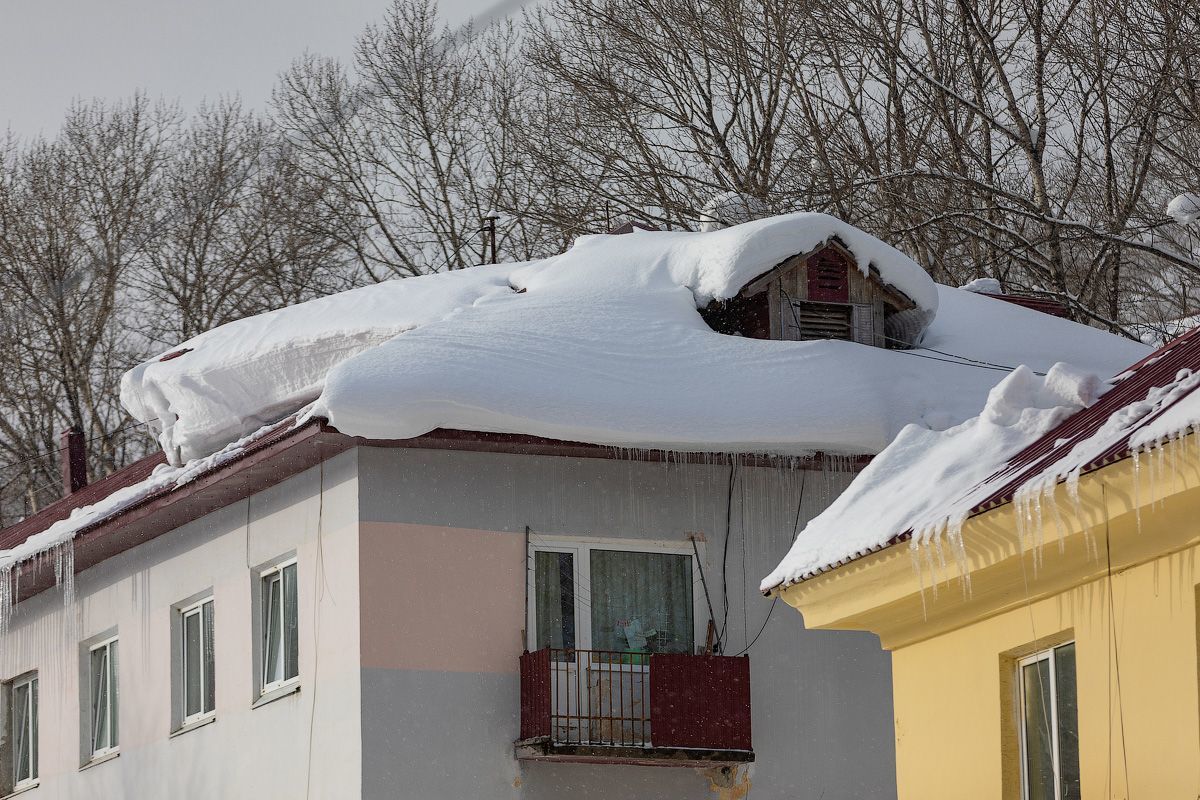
[956, 712]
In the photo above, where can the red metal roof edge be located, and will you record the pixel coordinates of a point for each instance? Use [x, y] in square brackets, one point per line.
[441, 438]
[131, 475]
[94, 492]
[1044, 303]
[1157, 370]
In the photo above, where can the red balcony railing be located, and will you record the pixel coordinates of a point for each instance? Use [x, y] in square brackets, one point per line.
[598, 701]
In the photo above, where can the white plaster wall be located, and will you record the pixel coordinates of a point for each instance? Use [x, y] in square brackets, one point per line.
[303, 745]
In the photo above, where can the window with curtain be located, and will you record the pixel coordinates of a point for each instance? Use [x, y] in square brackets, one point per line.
[105, 696]
[1049, 725]
[22, 733]
[280, 627]
[197, 681]
[641, 602]
[554, 586]
[596, 598]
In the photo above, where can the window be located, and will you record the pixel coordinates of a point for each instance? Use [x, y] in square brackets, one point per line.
[610, 597]
[555, 580]
[22, 732]
[105, 695]
[280, 634]
[1049, 725]
[197, 683]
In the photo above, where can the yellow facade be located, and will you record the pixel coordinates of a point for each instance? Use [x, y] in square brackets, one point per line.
[1124, 590]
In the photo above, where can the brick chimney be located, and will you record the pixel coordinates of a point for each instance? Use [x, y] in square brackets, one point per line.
[74, 461]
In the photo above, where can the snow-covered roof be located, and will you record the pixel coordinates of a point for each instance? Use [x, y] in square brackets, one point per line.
[983, 286]
[109, 497]
[604, 344]
[1185, 208]
[1033, 433]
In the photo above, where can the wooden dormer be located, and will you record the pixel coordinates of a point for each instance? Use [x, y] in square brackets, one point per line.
[817, 295]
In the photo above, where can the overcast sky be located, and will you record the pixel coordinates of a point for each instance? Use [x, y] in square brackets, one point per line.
[54, 51]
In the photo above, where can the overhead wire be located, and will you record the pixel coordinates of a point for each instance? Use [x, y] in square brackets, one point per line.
[1115, 665]
[965, 361]
[995, 368]
[725, 551]
[775, 599]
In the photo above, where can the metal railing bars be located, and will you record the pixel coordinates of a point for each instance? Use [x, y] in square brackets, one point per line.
[600, 697]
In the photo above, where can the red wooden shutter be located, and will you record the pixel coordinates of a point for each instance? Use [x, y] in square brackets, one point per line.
[828, 281]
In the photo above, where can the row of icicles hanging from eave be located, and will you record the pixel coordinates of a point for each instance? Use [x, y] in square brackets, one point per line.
[1036, 500]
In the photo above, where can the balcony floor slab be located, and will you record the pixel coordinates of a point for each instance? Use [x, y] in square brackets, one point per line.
[542, 749]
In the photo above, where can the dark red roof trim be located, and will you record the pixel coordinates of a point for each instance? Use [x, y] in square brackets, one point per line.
[1157, 370]
[176, 354]
[263, 463]
[1042, 303]
[136, 472]
[278, 455]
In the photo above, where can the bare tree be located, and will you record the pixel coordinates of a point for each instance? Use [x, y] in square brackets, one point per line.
[74, 219]
[411, 142]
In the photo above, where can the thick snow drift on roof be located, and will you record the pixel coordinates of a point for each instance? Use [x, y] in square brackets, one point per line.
[604, 344]
[926, 481]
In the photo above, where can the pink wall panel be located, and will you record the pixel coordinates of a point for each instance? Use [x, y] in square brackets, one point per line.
[437, 598]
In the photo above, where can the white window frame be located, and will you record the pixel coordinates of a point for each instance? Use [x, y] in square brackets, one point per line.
[1046, 655]
[263, 576]
[195, 609]
[112, 708]
[580, 548]
[29, 679]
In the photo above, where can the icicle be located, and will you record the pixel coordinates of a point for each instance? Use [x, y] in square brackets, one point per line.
[1175, 453]
[1137, 489]
[935, 539]
[932, 570]
[1035, 502]
[1052, 503]
[1162, 470]
[64, 570]
[5, 597]
[954, 534]
[1023, 506]
[1019, 518]
[914, 552]
[1072, 483]
[1152, 467]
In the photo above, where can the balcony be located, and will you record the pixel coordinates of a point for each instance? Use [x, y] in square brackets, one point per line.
[656, 709]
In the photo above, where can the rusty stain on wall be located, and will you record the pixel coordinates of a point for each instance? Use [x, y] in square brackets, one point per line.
[728, 783]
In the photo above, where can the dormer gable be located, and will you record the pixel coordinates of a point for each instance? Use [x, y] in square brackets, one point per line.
[821, 294]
